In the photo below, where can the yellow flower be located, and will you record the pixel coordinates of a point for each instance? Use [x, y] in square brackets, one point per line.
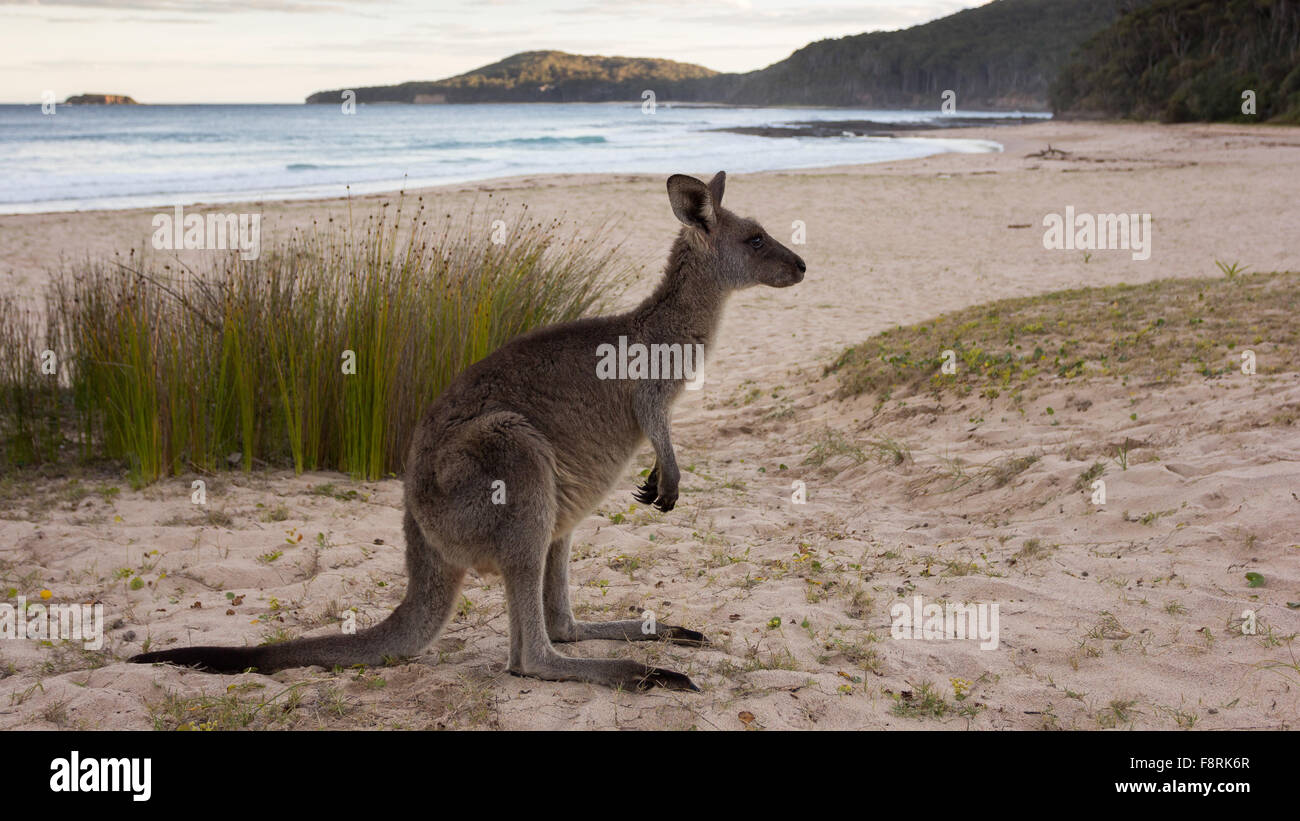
[960, 687]
[46, 594]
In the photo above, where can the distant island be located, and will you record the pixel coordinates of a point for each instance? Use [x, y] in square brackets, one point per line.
[99, 99]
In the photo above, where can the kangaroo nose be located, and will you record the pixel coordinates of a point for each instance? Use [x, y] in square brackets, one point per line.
[799, 261]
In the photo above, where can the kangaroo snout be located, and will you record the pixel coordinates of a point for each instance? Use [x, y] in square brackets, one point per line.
[800, 269]
[789, 269]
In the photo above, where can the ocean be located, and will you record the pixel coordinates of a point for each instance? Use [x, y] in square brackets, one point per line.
[90, 157]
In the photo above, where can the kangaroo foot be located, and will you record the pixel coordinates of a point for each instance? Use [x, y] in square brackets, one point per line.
[622, 673]
[682, 636]
[668, 679]
[628, 630]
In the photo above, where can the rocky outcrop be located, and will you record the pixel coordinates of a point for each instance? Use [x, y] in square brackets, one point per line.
[100, 99]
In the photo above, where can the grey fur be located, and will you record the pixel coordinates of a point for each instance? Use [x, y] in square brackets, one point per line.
[535, 415]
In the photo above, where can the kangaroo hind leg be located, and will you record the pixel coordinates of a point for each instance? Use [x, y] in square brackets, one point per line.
[531, 651]
[562, 627]
[513, 532]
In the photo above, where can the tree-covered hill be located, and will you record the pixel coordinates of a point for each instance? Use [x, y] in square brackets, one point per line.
[1178, 60]
[1172, 60]
[537, 77]
[1000, 55]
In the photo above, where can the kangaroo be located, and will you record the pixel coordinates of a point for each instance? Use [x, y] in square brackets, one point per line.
[533, 425]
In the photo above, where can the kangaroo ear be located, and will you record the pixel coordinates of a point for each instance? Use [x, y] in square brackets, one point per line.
[716, 187]
[692, 202]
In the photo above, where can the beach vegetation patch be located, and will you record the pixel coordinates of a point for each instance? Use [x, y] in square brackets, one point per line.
[1158, 332]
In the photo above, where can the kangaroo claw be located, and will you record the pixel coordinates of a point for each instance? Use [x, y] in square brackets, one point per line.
[665, 504]
[668, 679]
[682, 636]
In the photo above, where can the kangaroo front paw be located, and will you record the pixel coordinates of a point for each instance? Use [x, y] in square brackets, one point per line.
[648, 495]
[668, 679]
[666, 500]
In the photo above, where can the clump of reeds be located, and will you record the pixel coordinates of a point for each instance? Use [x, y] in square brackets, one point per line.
[33, 408]
[322, 353]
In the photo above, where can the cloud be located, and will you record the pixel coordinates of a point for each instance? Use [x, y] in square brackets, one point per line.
[197, 6]
[148, 21]
[861, 16]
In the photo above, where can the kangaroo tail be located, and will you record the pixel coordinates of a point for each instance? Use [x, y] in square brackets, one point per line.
[431, 593]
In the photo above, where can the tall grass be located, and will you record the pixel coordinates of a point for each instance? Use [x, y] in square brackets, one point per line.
[320, 354]
[31, 404]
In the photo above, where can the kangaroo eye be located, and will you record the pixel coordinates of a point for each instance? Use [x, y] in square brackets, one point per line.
[755, 242]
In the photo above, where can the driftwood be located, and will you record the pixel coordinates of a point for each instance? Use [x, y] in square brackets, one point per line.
[1049, 153]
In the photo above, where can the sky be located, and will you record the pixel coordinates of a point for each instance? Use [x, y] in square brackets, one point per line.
[255, 51]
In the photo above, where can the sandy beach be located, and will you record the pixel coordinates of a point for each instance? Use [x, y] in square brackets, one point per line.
[1125, 615]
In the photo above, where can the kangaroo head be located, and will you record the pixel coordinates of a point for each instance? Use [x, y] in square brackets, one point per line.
[736, 249]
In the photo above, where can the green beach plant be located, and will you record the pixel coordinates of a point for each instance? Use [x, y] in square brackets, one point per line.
[31, 403]
[321, 353]
[1156, 331]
